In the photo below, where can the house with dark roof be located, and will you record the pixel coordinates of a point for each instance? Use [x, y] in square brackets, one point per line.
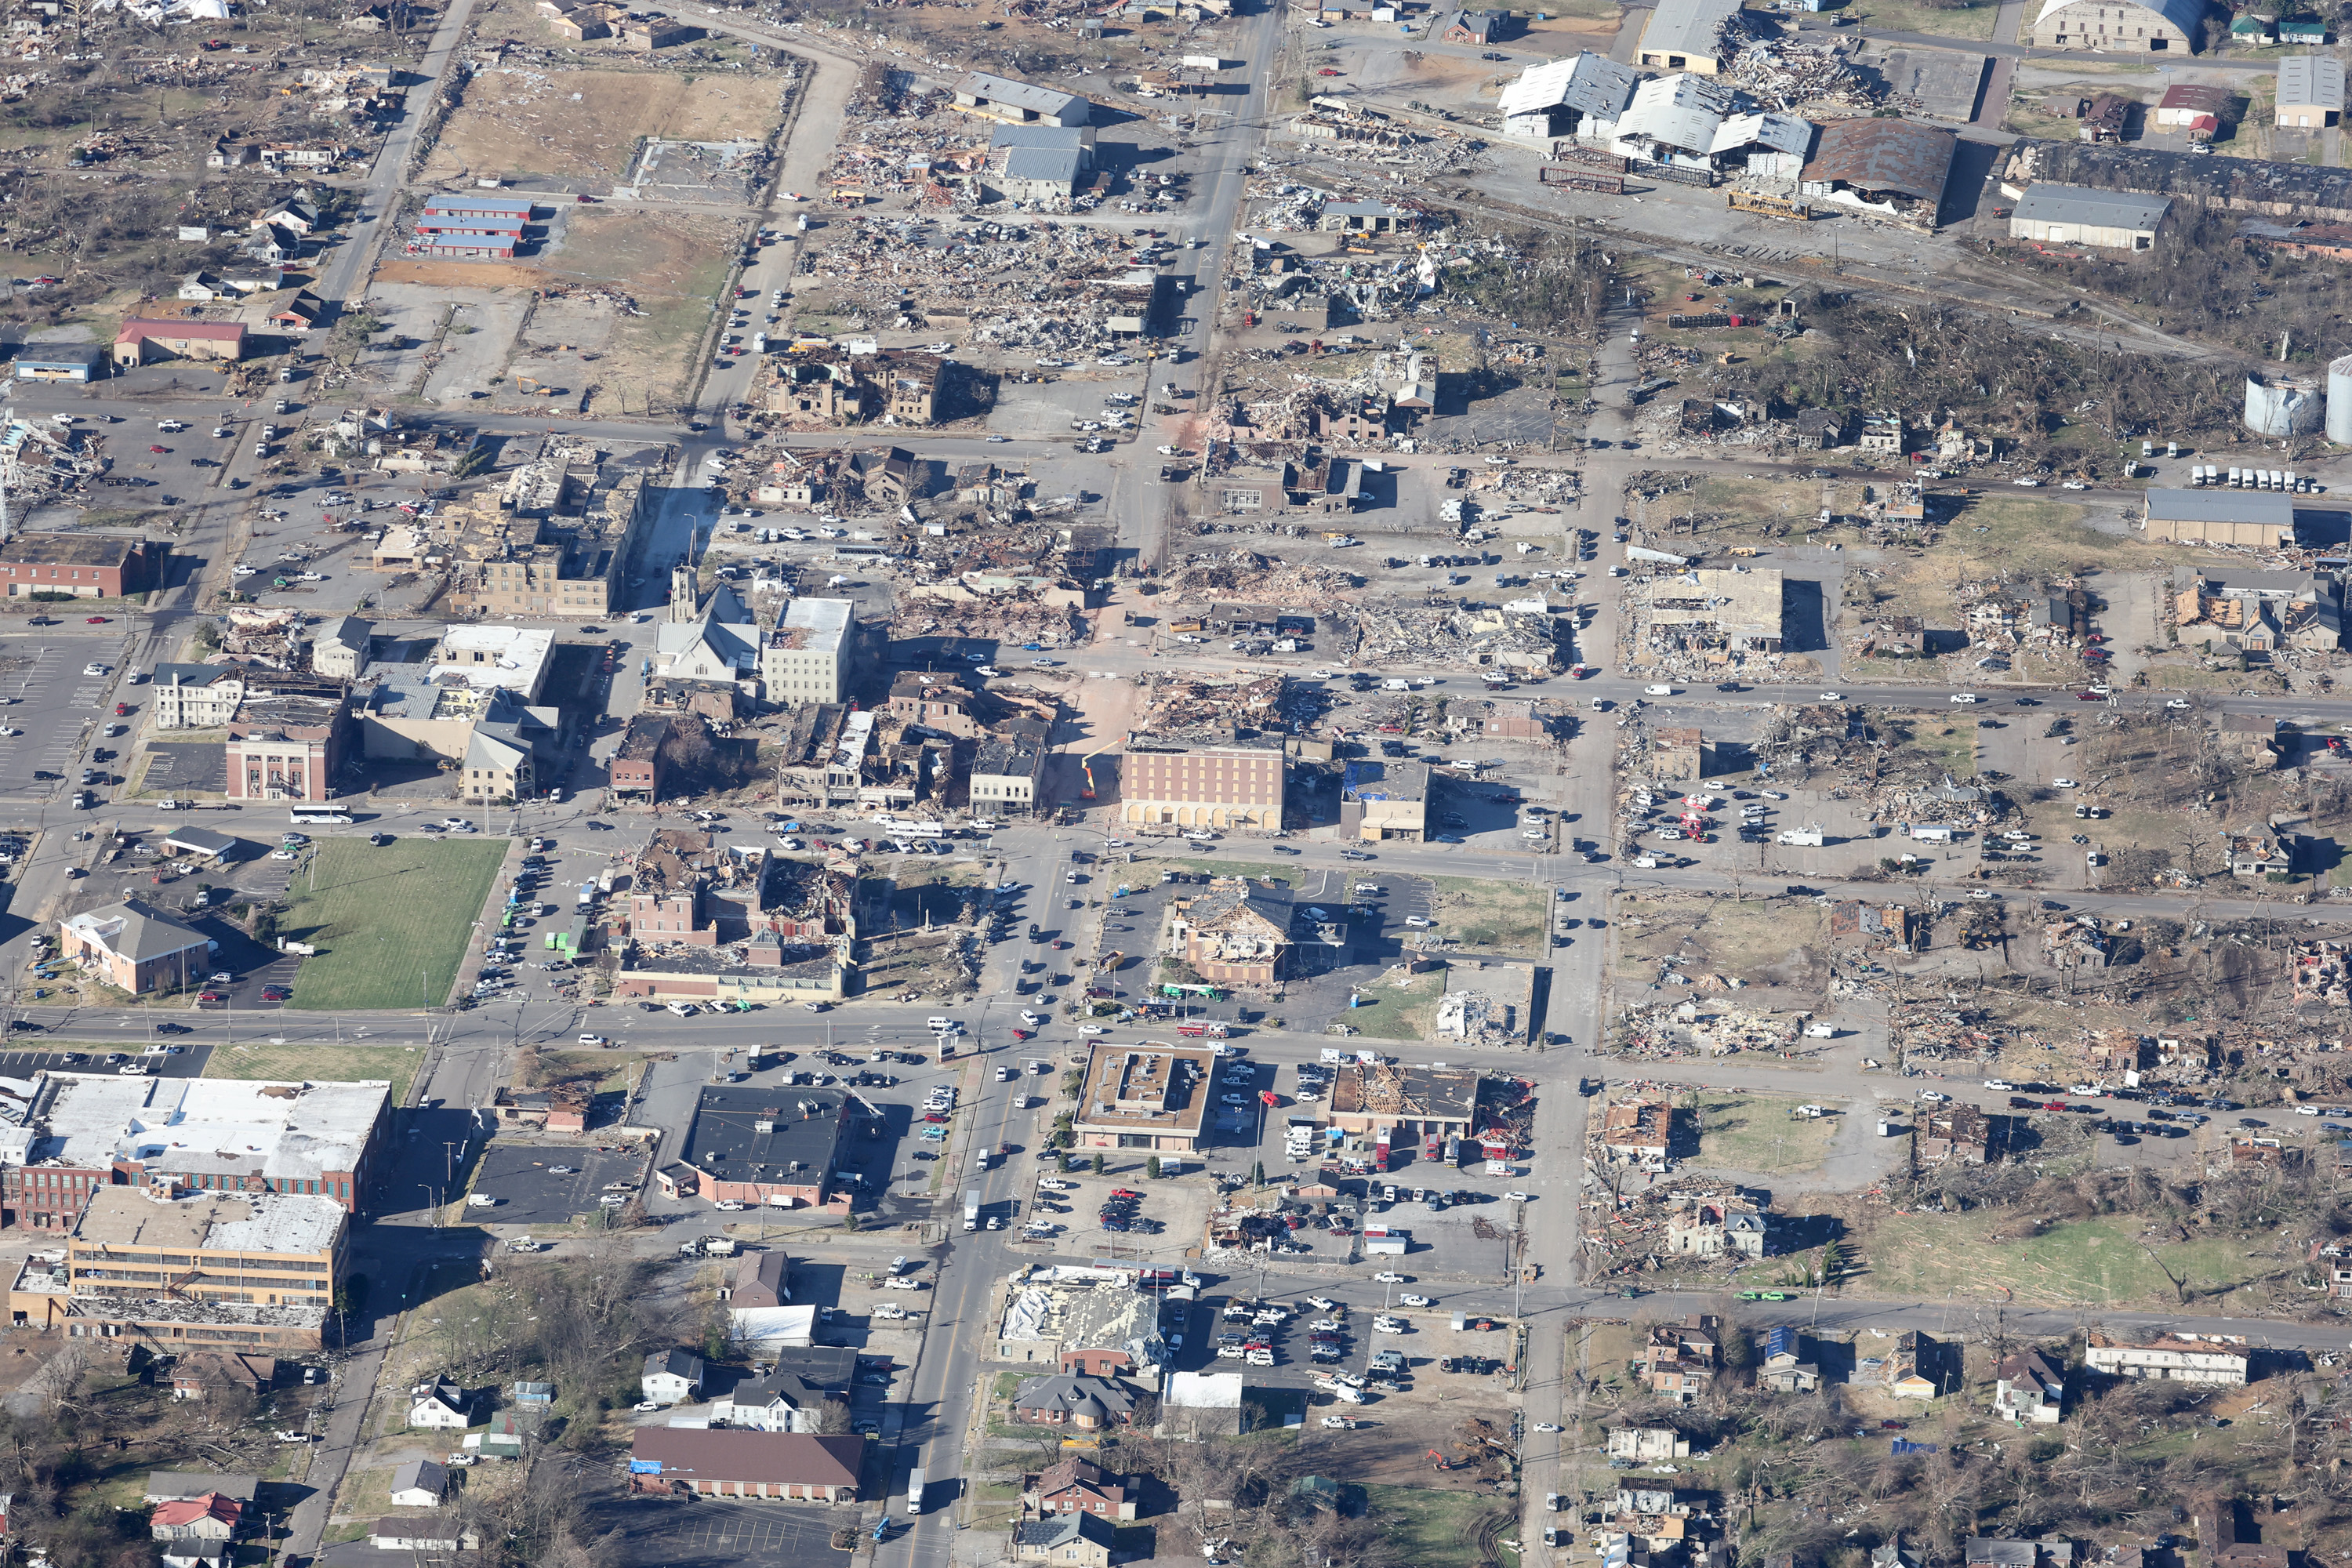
[420, 1483]
[1075, 1538]
[2029, 1389]
[761, 1280]
[1782, 1365]
[717, 1462]
[1480, 27]
[175, 1486]
[671, 1377]
[1088, 1403]
[1078, 1485]
[780, 1402]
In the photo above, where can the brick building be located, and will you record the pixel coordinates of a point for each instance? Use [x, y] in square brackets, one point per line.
[82, 565]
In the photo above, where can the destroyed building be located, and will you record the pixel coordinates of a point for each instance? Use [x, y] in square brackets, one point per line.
[1707, 612]
[1236, 933]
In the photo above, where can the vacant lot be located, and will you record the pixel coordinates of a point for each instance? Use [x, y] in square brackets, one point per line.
[1492, 917]
[585, 126]
[2088, 1263]
[392, 922]
[1406, 1012]
[1760, 1132]
[1773, 941]
[340, 1064]
[1441, 1530]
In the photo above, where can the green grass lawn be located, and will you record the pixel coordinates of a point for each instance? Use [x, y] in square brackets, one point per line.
[1435, 1529]
[1756, 1132]
[325, 1063]
[391, 921]
[1970, 21]
[1406, 1012]
[2098, 1263]
[1493, 917]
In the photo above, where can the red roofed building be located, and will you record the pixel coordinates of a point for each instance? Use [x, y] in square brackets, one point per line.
[142, 341]
[211, 1517]
[721, 1462]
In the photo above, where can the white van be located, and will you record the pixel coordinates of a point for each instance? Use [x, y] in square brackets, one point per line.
[683, 1009]
[1657, 690]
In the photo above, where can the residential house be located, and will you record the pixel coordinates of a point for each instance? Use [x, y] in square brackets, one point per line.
[1080, 1485]
[420, 1532]
[761, 1280]
[211, 1517]
[780, 1401]
[1479, 28]
[1681, 1358]
[1989, 1552]
[1956, 1131]
[1087, 1404]
[1909, 1371]
[439, 1403]
[1646, 1445]
[2259, 854]
[504, 1438]
[2029, 1389]
[2254, 737]
[191, 1553]
[2224, 1545]
[2219, 1359]
[1782, 1365]
[1075, 1538]
[420, 1483]
[195, 1375]
[1712, 1229]
[671, 1377]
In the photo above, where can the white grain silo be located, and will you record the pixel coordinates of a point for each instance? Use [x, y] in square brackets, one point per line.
[2279, 405]
[2339, 401]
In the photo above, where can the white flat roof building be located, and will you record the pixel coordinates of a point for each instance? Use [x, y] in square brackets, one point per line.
[513, 657]
[806, 657]
[207, 1133]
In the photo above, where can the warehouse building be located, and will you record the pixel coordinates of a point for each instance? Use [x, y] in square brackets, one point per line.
[1888, 166]
[1019, 102]
[2077, 214]
[2160, 27]
[1557, 98]
[2255, 519]
[60, 361]
[1690, 35]
[2310, 92]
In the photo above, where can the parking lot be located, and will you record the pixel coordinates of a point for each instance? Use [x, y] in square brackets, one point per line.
[52, 704]
[709, 1530]
[1180, 1208]
[1396, 1426]
[549, 1183]
[97, 1056]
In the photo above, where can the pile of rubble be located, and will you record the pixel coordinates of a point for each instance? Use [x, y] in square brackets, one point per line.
[1693, 1028]
[1445, 633]
[1040, 285]
[1813, 81]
